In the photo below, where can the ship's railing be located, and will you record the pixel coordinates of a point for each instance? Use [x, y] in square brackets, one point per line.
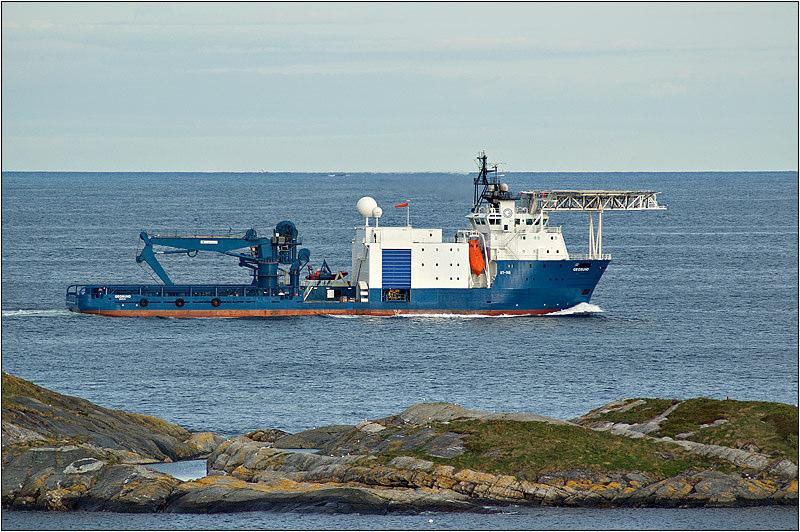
[226, 290]
[586, 256]
[196, 233]
[493, 210]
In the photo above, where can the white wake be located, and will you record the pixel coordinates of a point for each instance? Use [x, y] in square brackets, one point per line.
[581, 309]
[38, 313]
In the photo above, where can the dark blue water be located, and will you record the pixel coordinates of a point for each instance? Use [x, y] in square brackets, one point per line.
[514, 518]
[699, 300]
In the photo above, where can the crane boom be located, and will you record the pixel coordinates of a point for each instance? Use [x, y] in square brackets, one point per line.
[263, 254]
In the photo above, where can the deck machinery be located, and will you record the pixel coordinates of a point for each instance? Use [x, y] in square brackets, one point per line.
[510, 261]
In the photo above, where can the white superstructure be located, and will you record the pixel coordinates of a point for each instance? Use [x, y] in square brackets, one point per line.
[506, 232]
[513, 233]
[434, 263]
[501, 231]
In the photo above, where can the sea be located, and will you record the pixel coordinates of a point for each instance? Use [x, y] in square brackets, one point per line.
[699, 300]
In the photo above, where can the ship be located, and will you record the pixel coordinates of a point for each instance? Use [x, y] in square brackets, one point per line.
[509, 261]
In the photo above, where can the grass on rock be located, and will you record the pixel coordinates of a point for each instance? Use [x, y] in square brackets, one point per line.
[527, 449]
[637, 414]
[772, 427]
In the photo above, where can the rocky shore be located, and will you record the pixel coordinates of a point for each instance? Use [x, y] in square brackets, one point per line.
[65, 453]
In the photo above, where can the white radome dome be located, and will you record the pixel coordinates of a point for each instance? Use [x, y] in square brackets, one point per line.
[377, 212]
[366, 205]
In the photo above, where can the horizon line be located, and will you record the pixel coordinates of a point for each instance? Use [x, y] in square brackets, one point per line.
[336, 172]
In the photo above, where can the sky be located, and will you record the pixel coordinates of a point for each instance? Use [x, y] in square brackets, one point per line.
[399, 87]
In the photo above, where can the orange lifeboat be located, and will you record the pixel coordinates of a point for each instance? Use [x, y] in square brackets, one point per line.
[476, 262]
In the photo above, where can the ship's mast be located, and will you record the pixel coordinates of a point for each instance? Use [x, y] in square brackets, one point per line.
[487, 188]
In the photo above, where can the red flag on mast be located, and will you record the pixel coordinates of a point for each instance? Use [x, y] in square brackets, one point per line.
[400, 205]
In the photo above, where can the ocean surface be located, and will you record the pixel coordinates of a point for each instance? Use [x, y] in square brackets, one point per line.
[699, 300]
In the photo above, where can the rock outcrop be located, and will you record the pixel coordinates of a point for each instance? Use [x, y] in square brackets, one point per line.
[64, 453]
[32, 413]
[80, 477]
[253, 463]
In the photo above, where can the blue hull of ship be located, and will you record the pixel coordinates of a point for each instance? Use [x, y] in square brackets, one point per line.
[520, 287]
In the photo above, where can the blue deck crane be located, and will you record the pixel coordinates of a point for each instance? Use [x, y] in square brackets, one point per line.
[263, 257]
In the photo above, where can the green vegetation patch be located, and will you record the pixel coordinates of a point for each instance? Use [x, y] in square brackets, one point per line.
[638, 414]
[527, 449]
[771, 428]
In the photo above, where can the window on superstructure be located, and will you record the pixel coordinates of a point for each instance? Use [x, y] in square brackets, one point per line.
[529, 221]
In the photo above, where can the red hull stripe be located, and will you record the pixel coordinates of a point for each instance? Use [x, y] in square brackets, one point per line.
[259, 313]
